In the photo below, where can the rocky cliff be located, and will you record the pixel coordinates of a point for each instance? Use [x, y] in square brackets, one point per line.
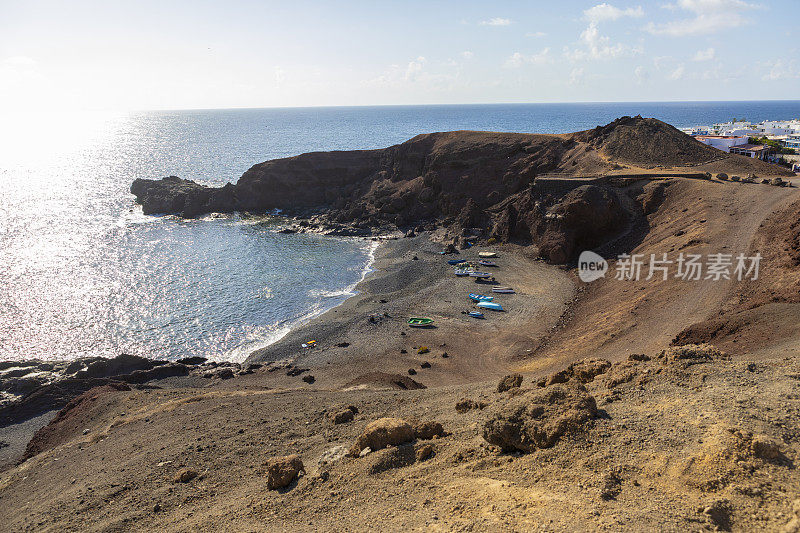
[473, 183]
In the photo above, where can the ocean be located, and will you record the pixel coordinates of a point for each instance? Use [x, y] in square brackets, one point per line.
[83, 272]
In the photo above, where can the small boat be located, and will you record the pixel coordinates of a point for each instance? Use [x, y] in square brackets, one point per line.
[418, 322]
[485, 263]
[309, 344]
[456, 261]
[494, 306]
[480, 274]
[461, 272]
[480, 297]
[503, 290]
[475, 314]
[487, 254]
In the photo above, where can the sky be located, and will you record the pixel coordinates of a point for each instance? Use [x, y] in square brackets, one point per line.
[195, 54]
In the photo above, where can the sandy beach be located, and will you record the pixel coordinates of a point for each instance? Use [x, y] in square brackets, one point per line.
[400, 286]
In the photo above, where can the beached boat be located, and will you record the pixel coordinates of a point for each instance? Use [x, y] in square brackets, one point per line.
[485, 263]
[420, 322]
[480, 297]
[480, 274]
[503, 290]
[487, 254]
[456, 261]
[494, 306]
[475, 314]
[462, 272]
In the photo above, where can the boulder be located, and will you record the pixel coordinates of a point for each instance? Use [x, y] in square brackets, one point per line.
[766, 448]
[397, 457]
[281, 471]
[424, 452]
[184, 476]
[586, 370]
[428, 430]
[538, 419]
[382, 433]
[462, 406]
[691, 354]
[508, 382]
[342, 417]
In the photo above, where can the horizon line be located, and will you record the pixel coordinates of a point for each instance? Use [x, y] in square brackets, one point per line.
[585, 102]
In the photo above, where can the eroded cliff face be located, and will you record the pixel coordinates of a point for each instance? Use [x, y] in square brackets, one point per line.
[473, 183]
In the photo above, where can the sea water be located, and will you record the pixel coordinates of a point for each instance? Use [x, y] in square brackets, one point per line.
[84, 272]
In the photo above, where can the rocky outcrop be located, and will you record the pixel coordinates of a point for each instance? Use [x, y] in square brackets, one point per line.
[582, 220]
[534, 420]
[462, 180]
[36, 387]
[173, 195]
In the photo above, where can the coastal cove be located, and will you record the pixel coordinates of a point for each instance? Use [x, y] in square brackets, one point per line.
[85, 274]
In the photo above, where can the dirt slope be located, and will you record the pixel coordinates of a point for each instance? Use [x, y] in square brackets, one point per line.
[615, 318]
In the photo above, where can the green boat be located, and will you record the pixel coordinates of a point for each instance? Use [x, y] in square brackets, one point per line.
[417, 322]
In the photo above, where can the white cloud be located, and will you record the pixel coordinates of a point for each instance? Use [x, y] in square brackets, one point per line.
[536, 34]
[414, 68]
[705, 16]
[280, 76]
[497, 21]
[576, 76]
[641, 74]
[605, 11]
[466, 54]
[517, 59]
[661, 61]
[596, 46]
[705, 55]
[678, 73]
[781, 70]
[418, 74]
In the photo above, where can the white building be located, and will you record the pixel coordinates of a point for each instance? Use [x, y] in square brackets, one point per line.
[722, 142]
[792, 141]
[756, 151]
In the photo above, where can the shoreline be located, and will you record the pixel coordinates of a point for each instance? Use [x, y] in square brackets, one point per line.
[367, 333]
[243, 352]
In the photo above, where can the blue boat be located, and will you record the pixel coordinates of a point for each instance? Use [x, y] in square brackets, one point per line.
[455, 261]
[475, 314]
[490, 305]
[481, 274]
[461, 272]
[480, 297]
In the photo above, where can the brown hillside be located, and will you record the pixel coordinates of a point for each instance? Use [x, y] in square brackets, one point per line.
[647, 142]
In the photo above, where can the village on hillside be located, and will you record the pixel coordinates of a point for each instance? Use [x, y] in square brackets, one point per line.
[776, 141]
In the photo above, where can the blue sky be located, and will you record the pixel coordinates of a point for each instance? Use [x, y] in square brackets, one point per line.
[201, 54]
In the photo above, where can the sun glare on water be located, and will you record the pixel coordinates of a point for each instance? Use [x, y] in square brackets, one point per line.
[40, 138]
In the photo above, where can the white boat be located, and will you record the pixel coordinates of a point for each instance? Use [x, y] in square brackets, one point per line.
[503, 290]
[487, 254]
